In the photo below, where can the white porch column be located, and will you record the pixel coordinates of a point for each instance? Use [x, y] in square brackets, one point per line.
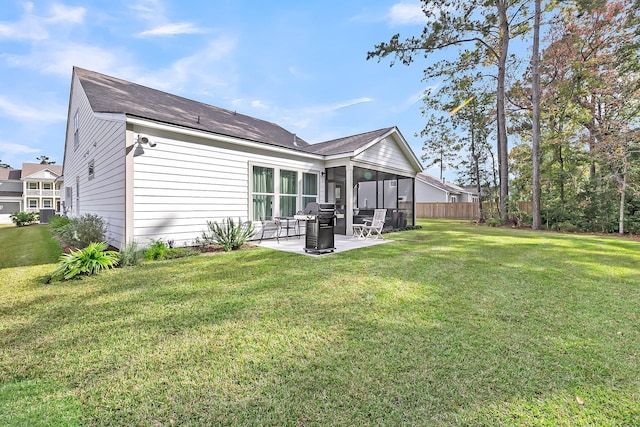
[348, 209]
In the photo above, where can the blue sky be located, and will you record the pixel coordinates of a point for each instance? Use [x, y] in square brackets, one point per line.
[299, 64]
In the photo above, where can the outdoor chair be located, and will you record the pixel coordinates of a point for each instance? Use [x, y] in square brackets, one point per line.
[269, 225]
[285, 224]
[373, 227]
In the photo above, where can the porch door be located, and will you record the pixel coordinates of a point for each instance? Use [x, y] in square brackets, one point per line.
[336, 184]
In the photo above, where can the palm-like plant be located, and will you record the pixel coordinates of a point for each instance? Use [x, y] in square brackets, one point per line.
[86, 262]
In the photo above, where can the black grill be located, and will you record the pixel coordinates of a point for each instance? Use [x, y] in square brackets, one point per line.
[321, 218]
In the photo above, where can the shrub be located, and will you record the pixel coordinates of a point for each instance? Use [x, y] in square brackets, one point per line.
[86, 262]
[567, 227]
[229, 235]
[57, 222]
[24, 218]
[160, 250]
[82, 231]
[156, 251]
[493, 222]
[129, 254]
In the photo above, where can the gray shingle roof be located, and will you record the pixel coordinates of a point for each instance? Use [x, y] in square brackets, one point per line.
[347, 144]
[436, 182]
[111, 95]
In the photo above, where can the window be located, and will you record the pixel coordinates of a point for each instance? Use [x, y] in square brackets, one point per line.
[46, 186]
[263, 192]
[309, 188]
[278, 192]
[33, 186]
[68, 198]
[92, 169]
[46, 204]
[288, 192]
[77, 195]
[33, 204]
[76, 130]
[454, 199]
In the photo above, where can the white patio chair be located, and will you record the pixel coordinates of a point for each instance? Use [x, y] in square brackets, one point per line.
[373, 227]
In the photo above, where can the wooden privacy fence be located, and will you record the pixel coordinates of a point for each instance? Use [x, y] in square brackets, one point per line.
[459, 210]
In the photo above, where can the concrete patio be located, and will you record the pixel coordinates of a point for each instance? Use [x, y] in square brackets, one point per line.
[342, 244]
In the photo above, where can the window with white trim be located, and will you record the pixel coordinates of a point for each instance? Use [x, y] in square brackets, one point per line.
[280, 192]
[454, 199]
[46, 204]
[46, 186]
[92, 169]
[288, 192]
[33, 185]
[309, 188]
[76, 130]
[33, 204]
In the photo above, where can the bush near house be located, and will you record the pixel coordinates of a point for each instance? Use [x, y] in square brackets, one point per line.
[23, 218]
[80, 232]
[230, 235]
[86, 262]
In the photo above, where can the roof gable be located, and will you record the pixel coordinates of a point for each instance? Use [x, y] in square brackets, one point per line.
[347, 145]
[38, 171]
[108, 94]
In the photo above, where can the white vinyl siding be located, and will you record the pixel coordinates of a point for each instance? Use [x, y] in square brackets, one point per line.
[180, 185]
[386, 153]
[104, 142]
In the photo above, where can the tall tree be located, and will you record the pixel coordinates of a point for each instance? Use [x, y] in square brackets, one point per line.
[484, 29]
[44, 160]
[440, 146]
[535, 128]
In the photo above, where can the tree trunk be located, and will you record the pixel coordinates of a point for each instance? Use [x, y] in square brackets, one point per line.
[623, 190]
[503, 150]
[476, 171]
[535, 131]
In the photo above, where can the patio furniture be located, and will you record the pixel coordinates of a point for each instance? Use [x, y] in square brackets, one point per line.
[287, 223]
[373, 227]
[269, 225]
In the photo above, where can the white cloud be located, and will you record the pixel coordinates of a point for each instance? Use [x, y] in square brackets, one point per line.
[8, 148]
[59, 58]
[259, 104]
[22, 112]
[206, 68]
[172, 29]
[66, 14]
[36, 28]
[406, 13]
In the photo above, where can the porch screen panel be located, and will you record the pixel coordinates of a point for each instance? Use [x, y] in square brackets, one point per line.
[309, 188]
[263, 192]
[288, 192]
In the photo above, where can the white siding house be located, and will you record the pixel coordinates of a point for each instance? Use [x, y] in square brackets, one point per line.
[431, 189]
[158, 166]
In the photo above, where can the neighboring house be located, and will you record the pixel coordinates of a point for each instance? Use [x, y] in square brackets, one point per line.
[158, 166]
[32, 188]
[431, 189]
[10, 194]
[41, 187]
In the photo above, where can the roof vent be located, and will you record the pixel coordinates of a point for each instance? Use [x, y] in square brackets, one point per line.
[295, 140]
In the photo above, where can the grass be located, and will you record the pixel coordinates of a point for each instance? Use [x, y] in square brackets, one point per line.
[25, 246]
[449, 325]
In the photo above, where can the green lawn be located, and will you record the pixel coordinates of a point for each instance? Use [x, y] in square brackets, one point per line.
[31, 245]
[449, 325]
